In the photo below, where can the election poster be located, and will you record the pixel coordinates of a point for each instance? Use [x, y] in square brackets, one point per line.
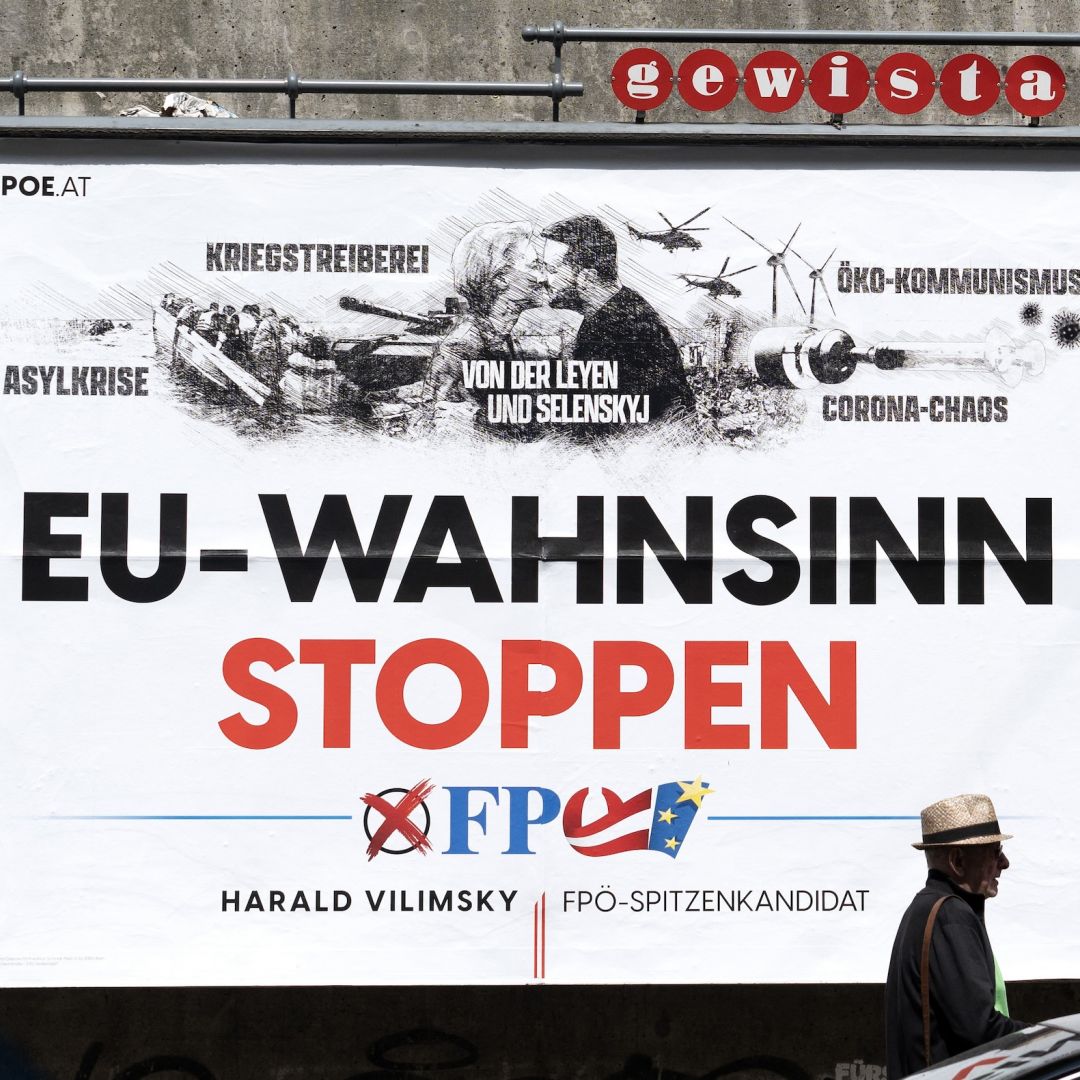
[481, 565]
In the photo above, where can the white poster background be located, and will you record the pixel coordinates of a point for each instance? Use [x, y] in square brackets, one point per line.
[112, 708]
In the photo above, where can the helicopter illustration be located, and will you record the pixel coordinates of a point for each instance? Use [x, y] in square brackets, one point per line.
[674, 236]
[716, 286]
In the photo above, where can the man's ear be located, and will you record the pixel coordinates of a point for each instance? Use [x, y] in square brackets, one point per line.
[587, 279]
[957, 861]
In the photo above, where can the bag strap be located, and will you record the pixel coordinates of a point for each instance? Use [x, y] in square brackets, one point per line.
[924, 975]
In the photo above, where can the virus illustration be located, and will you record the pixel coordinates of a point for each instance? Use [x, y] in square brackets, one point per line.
[1065, 329]
[1031, 314]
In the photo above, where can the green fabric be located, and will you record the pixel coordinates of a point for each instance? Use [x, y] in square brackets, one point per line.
[1001, 1000]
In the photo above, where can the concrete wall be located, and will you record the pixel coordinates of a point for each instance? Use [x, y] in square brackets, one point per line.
[450, 39]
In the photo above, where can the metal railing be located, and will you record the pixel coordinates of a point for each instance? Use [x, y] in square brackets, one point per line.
[20, 85]
[559, 33]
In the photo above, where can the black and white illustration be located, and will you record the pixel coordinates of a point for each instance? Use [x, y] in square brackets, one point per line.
[538, 331]
[552, 319]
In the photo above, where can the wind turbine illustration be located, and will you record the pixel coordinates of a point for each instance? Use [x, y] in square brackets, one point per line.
[817, 275]
[776, 261]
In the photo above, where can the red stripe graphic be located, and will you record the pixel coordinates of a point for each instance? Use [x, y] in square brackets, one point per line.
[543, 935]
[618, 810]
[540, 937]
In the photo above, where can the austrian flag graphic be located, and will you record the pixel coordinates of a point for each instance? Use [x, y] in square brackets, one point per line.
[671, 809]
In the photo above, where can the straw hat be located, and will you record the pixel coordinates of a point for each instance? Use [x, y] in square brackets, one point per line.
[963, 819]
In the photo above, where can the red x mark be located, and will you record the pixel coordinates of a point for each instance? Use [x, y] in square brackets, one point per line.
[396, 819]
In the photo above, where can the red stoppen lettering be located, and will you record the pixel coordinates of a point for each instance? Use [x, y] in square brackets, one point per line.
[834, 717]
[337, 658]
[703, 695]
[832, 710]
[519, 703]
[236, 668]
[610, 702]
[390, 693]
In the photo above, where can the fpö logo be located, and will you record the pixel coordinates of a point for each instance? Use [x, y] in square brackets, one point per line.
[399, 820]
[839, 82]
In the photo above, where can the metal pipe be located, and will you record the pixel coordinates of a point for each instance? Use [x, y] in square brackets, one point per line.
[556, 66]
[293, 89]
[51, 84]
[41, 84]
[908, 136]
[292, 86]
[554, 89]
[561, 33]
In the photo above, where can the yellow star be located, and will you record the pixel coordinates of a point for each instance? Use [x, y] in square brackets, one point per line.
[672, 843]
[667, 816]
[694, 792]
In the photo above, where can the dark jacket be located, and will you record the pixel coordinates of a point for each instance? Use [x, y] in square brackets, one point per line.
[627, 330]
[962, 1013]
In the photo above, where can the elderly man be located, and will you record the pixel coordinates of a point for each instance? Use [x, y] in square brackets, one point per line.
[945, 993]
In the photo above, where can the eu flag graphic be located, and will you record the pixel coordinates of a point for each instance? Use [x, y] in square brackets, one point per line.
[674, 809]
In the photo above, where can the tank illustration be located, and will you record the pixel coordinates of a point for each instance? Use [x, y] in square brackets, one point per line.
[390, 360]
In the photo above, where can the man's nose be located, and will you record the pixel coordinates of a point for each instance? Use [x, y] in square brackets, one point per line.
[1003, 861]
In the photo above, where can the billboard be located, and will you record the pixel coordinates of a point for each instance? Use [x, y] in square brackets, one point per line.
[473, 567]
